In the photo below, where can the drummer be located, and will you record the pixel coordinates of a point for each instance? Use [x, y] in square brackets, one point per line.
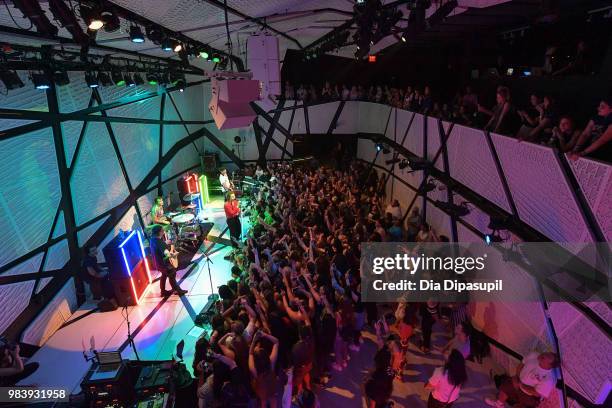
[157, 212]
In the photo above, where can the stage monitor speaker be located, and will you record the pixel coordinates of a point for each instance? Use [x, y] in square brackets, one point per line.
[128, 268]
[230, 102]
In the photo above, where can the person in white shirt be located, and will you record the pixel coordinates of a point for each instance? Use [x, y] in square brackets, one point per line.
[226, 184]
[445, 383]
[394, 209]
[534, 381]
[259, 172]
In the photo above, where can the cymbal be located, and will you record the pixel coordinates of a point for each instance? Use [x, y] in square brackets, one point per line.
[191, 197]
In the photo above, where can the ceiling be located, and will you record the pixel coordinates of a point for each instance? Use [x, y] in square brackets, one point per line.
[297, 23]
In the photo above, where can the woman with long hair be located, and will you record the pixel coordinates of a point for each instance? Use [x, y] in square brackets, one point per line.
[379, 386]
[446, 382]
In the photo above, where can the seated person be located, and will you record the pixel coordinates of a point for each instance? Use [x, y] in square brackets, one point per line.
[504, 119]
[595, 138]
[93, 273]
[12, 369]
[533, 382]
[157, 212]
[564, 136]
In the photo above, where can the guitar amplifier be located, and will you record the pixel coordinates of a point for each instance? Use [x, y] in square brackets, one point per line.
[128, 268]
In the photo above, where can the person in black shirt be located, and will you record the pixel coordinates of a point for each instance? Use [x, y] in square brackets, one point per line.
[161, 260]
[93, 273]
[596, 138]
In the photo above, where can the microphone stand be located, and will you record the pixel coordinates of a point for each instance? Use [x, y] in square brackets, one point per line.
[208, 262]
[129, 333]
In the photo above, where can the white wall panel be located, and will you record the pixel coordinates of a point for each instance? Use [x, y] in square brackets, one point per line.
[14, 298]
[433, 141]
[299, 122]
[392, 133]
[57, 256]
[86, 233]
[97, 182]
[439, 221]
[139, 146]
[74, 96]
[184, 159]
[56, 313]
[542, 196]
[348, 120]
[71, 130]
[414, 138]
[29, 192]
[472, 164]
[320, 117]
[373, 117]
[191, 104]
[595, 179]
[113, 93]
[172, 133]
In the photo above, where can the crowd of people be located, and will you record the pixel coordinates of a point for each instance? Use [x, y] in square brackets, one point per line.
[538, 120]
[292, 314]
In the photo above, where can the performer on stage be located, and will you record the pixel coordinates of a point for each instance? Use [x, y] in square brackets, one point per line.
[164, 260]
[226, 184]
[157, 212]
[232, 213]
[93, 273]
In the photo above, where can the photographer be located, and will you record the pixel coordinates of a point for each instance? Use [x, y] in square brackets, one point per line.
[12, 369]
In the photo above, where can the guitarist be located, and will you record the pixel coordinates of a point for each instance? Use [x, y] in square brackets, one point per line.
[165, 261]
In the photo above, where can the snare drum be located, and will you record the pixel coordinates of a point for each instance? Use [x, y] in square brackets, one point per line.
[183, 218]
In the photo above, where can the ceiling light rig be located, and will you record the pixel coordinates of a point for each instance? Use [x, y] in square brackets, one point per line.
[374, 22]
[136, 35]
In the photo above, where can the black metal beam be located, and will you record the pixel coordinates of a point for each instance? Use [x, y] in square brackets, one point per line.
[261, 158]
[23, 129]
[35, 276]
[449, 191]
[273, 123]
[67, 200]
[501, 174]
[77, 148]
[228, 152]
[162, 109]
[255, 20]
[334, 121]
[286, 138]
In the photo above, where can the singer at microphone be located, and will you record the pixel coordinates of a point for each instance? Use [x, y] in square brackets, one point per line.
[232, 213]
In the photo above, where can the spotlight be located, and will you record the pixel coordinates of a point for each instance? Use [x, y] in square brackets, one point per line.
[177, 80]
[138, 79]
[60, 77]
[154, 34]
[91, 79]
[492, 238]
[111, 21]
[456, 210]
[129, 81]
[379, 147]
[403, 164]
[403, 38]
[166, 44]
[104, 79]
[419, 164]
[177, 46]
[41, 81]
[152, 78]
[204, 53]
[11, 79]
[427, 187]
[117, 78]
[90, 12]
[216, 58]
[136, 35]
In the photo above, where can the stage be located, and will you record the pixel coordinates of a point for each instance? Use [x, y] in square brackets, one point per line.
[157, 324]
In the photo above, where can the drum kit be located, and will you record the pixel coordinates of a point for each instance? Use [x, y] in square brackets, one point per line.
[184, 228]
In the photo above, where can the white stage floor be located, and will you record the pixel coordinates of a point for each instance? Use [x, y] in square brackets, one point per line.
[156, 324]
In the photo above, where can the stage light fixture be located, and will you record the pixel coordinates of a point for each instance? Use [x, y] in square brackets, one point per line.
[403, 38]
[177, 46]
[138, 79]
[456, 210]
[111, 21]
[492, 238]
[90, 12]
[166, 44]
[104, 79]
[216, 58]
[129, 81]
[60, 77]
[379, 147]
[152, 78]
[386, 150]
[403, 164]
[154, 34]
[393, 161]
[91, 79]
[118, 78]
[427, 187]
[40, 80]
[31, 9]
[136, 35]
[11, 79]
